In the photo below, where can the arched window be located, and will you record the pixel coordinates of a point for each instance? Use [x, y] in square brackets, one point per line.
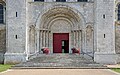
[39, 0]
[119, 12]
[60, 0]
[82, 0]
[1, 14]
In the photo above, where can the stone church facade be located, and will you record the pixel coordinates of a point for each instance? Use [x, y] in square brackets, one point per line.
[91, 25]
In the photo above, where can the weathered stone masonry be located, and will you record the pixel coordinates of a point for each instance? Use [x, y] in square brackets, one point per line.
[91, 26]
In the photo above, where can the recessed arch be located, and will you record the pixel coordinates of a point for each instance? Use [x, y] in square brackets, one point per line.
[59, 11]
[59, 19]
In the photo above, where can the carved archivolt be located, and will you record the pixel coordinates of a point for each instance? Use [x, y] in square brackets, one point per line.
[71, 15]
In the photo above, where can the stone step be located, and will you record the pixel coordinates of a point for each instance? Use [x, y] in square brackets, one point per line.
[59, 61]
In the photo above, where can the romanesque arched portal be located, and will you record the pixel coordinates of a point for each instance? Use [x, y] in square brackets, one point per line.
[61, 20]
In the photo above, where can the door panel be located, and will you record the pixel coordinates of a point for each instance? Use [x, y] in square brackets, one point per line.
[65, 46]
[60, 43]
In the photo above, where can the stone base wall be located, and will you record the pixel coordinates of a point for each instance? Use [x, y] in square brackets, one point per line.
[1, 57]
[106, 58]
[118, 60]
[14, 58]
[117, 39]
[2, 39]
[2, 43]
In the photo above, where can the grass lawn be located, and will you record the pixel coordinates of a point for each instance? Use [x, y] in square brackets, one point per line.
[4, 67]
[117, 70]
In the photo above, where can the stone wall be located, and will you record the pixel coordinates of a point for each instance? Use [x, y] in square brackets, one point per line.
[105, 31]
[117, 39]
[16, 31]
[40, 13]
[37, 9]
[21, 15]
[2, 43]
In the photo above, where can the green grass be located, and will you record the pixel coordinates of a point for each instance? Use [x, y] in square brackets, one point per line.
[116, 70]
[4, 67]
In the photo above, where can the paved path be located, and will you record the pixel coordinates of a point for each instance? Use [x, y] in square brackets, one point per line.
[113, 66]
[59, 72]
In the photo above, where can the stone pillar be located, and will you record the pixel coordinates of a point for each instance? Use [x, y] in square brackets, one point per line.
[44, 38]
[48, 38]
[51, 41]
[47, 33]
[74, 39]
[77, 42]
[16, 34]
[105, 32]
[41, 40]
[37, 50]
[35, 40]
[83, 40]
[79, 39]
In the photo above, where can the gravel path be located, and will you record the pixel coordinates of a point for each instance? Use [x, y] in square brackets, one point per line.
[59, 72]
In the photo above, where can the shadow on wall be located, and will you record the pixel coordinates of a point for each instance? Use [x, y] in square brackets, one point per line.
[2, 44]
[2, 57]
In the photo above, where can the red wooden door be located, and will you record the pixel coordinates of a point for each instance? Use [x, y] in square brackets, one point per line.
[60, 43]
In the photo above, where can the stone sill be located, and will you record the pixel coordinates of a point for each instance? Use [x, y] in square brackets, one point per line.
[60, 2]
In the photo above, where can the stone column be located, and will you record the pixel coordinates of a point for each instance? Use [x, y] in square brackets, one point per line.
[51, 41]
[47, 38]
[37, 41]
[77, 42]
[27, 43]
[83, 40]
[80, 40]
[42, 38]
[74, 38]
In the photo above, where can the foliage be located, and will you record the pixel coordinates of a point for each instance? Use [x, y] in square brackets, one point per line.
[4, 67]
[116, 70]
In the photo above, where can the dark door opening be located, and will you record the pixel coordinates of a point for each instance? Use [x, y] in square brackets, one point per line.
[65, 46]
[61, 43]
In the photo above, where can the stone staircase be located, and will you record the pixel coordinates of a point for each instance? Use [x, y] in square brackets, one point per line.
[59, 61]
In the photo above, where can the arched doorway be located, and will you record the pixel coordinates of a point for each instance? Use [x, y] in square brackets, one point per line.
[60, 42]
[61, 29]
[62, 21]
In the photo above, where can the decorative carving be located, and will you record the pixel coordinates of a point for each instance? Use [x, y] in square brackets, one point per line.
[32, 38]
[89, 39]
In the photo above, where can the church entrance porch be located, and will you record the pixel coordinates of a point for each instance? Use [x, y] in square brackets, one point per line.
[61, 31]
[61, 43]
